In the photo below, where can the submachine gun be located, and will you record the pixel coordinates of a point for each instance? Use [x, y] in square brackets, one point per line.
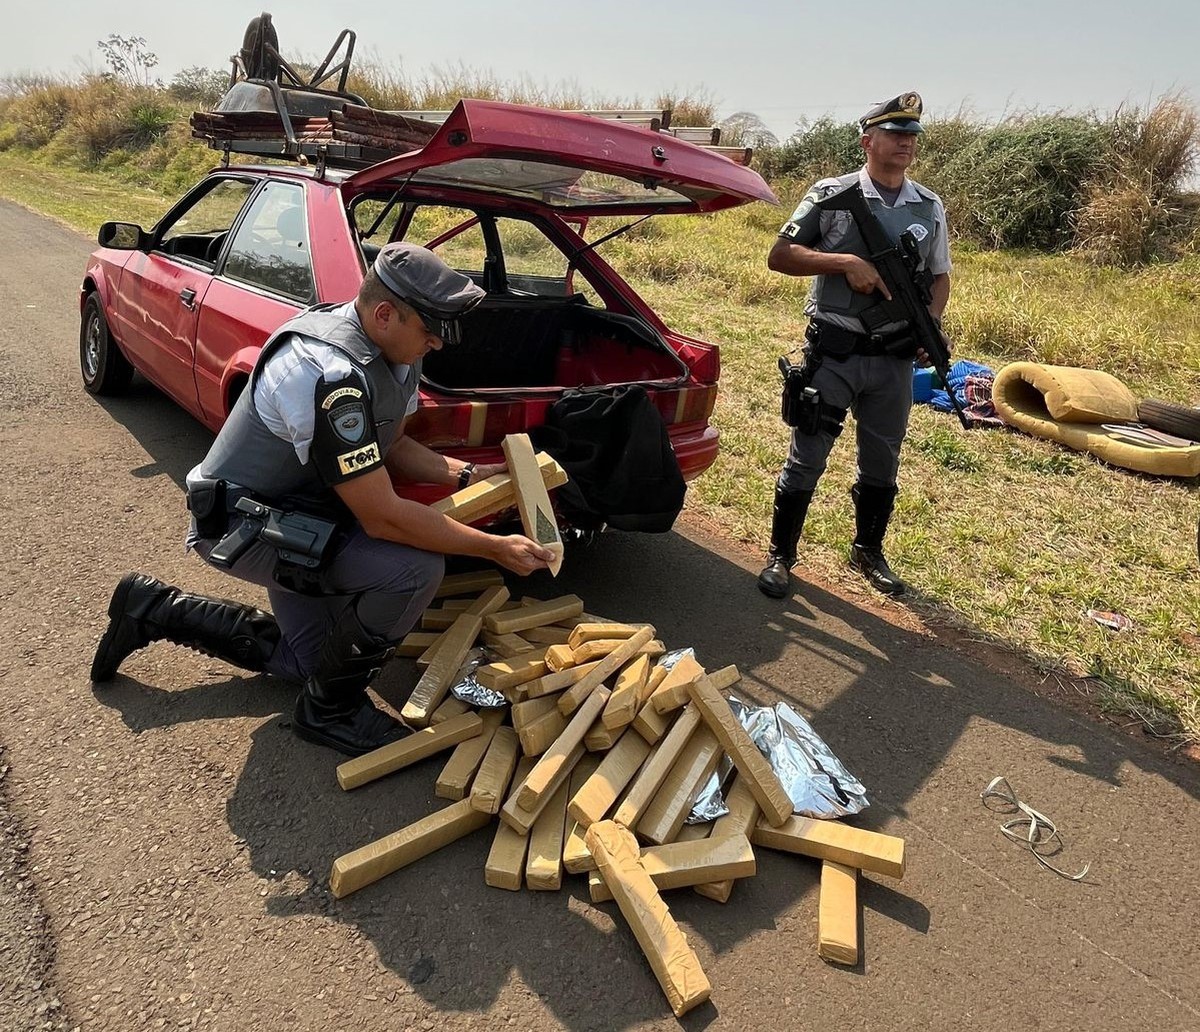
[898, 266]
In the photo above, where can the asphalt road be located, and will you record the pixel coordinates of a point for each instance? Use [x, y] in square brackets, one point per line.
[167, 841]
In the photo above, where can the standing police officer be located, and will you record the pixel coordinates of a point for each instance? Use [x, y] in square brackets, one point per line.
[319, 432]
[869, 374]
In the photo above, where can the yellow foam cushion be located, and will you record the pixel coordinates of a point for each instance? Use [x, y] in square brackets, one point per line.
[1018, 394]
[1079, 395]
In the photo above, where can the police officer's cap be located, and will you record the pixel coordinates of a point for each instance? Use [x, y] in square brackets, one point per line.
[901, 114]
[426, 283]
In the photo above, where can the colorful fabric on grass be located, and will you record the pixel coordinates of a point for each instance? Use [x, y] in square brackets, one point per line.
[972, 384]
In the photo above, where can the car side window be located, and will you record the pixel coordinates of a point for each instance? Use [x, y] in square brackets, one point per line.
[198, 231]
[270, 248]
[454, 234]
[534, 265]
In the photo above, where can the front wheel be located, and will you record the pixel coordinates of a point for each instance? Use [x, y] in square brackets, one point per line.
[104, 369]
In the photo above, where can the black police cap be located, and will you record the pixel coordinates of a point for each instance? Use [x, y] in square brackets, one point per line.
[901, 114]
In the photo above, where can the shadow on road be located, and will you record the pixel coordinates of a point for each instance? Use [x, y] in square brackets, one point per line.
[889, 701]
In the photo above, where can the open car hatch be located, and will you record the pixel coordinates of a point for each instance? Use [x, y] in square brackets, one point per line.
[569, 163]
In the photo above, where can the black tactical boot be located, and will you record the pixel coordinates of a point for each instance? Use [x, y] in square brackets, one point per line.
[786, 523]
[143, 610]
[872, 510]
[334, 708]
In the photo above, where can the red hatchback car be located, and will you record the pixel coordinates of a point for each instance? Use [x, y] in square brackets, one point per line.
[501, 192]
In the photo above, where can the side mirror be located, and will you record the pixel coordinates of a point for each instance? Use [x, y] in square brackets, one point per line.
[123, 236]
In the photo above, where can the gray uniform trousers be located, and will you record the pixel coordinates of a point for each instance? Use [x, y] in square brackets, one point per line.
[394, 584]
[878, 390]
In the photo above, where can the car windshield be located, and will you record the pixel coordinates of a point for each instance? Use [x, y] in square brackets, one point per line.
[559, 186]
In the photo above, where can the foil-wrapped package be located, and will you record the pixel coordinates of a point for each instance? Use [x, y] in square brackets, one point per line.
[711, 803]
[467, 689]
[669, 659]
[816, 781]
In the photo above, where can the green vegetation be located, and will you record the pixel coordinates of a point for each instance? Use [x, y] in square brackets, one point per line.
[1076, 246]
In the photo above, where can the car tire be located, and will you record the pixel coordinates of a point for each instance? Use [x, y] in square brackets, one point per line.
[1178, 420]
[104, 369]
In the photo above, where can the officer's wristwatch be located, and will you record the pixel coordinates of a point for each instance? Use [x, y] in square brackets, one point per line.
[465, 474]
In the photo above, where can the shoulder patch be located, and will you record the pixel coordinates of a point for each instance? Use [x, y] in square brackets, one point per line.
[363, 458]
[344, 442]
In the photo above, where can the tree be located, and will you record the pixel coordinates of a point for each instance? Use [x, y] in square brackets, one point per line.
[205, 86]
[128, 59]
[746, 129]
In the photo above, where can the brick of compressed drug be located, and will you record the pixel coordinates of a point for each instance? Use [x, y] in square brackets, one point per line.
[833, 840]
[368, 864]
[456, 775]
[533, 501]
[546, 770]
[676, 865]
[680, 788]
[495, 772]
[655, 769]
[514, 621]
[431, 689]
[468, 583]
[585, 632]
[627, 694]
[769, 792]
[594, 798]
[673, 961]
[740, 820]
[397, 755]
[556, 682]
[543, 866]
[516, 816]
[837, 922]
[505, 865]
[677, 694]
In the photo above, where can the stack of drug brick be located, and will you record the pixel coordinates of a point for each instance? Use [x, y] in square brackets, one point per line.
[599, 747]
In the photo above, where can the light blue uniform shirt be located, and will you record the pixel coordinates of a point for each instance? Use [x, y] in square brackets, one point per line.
[287, 384]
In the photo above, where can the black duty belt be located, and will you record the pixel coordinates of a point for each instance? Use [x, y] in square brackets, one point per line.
[838, 342]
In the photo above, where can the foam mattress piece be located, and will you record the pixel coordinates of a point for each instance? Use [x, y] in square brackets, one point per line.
[1078, 395]
[1023, 394]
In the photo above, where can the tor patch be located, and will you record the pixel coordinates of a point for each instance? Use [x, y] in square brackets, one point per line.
[344, 444]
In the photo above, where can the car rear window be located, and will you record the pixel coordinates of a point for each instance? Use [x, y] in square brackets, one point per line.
[560, 186]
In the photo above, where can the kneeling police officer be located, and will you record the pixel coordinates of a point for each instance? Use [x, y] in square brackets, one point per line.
[296, 495]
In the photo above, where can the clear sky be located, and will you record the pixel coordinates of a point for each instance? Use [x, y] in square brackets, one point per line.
[783, 61]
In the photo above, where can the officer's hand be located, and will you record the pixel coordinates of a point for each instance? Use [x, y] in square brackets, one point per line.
[485, 470]
[924, 360]
[521, 554]
[864, 278]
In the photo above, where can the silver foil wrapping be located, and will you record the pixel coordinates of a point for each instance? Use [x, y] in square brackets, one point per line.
[711, 803]
[669, 659]
[467, 689]
[816, 781]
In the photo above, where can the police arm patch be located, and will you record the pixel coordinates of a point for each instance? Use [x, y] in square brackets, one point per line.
[344, 444]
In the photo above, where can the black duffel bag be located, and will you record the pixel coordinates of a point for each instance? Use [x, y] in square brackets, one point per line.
[615, 448]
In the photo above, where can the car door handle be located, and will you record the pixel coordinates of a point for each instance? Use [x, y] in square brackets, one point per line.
[188, 297]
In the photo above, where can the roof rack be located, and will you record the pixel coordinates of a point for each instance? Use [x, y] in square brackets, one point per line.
[271, 110]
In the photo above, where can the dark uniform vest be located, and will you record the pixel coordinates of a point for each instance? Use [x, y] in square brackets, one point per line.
[247, 454]
[832, 294]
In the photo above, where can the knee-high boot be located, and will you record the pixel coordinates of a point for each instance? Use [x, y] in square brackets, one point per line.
[787, 521]
[144, 610]
[872, 510]
[334, 709]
